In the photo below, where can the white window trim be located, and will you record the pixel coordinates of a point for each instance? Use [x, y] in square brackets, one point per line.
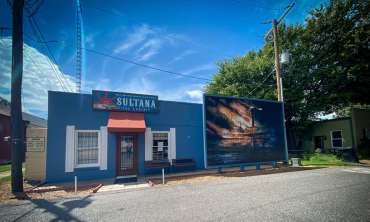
[169, 145]
[99, 149]
[331, 138]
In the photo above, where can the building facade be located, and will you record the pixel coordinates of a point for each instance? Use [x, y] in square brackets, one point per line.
[330, 134]
[94, 144]
[340, 134]
[29, 121]
[122, 135]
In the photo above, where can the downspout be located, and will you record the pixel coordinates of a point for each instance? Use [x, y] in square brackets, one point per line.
[354, 144]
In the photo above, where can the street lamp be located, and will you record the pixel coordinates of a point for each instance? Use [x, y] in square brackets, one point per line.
[252, 108]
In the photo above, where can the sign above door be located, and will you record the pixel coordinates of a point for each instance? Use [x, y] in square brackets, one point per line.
[125, 102]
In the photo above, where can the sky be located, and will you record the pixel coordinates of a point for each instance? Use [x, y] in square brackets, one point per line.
[185, 37]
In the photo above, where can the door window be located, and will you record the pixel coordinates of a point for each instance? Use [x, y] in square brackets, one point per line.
[127, 152]
[319, 142]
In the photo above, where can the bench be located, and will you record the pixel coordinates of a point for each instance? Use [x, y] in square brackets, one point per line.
[180, 165]
[220, 169]
[156, 164]
[183, 163]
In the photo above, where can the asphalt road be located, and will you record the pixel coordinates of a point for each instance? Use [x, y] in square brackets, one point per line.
[335, 194]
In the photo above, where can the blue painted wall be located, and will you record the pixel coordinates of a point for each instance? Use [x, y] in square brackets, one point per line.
[76, 109]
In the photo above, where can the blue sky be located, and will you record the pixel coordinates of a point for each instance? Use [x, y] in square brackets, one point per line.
[187, 37]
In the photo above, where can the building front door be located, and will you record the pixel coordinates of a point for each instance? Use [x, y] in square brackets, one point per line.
[126, 154]
[319, 142]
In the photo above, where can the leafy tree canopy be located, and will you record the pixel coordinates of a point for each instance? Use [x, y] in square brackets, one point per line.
[328, 69]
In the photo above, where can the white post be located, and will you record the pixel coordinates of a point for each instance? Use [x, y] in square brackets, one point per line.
[162, 175]
[75, 184]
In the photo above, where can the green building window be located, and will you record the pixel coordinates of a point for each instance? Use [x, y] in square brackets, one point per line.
[336, 139]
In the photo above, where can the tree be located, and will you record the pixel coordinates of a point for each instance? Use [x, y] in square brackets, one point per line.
[329, 67]
[339, 37]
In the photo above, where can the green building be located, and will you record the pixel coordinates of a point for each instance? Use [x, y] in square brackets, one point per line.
[340, 134]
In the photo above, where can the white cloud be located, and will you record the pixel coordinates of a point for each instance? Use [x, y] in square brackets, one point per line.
[90, 40]
[181, 56]
[200, 68]
[149, 49]
[146, 41]
[136, 37]
[136, 85]
[38, 77]
[185, 93]
[195, 94]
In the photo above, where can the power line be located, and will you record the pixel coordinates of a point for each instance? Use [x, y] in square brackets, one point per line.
[263, 81]
[50, 57]
[144, 65]
[257, 7]
[128, 61]
[32, 7]
[287, 9]
[37, 31]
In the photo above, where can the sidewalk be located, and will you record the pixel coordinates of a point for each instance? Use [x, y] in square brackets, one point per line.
[4, 174]
[123, 187]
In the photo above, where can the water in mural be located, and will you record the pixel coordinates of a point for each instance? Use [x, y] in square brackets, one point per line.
[241, 130]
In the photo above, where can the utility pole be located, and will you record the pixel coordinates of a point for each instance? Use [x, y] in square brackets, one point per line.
[275, 23]
[279, 80]
[17, 129]
[277, 60]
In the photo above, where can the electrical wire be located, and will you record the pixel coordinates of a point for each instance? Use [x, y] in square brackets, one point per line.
[263, 81]
[146, 66]
[38, 33]
[125, 60]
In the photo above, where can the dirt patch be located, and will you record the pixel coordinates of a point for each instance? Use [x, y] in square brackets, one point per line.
[45, 192]
[174, 180]
[367, 162]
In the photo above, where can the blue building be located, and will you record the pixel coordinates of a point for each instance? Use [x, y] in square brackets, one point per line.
[122, 135]
[110, 135]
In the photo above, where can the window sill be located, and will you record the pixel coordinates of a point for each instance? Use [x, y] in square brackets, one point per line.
[82, 166]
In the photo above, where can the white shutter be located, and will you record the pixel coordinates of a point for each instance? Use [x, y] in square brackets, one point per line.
[70, 148]
[103, 147]
[148, 144]
[172, 141]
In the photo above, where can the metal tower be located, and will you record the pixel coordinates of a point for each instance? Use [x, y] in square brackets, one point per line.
[78, 47]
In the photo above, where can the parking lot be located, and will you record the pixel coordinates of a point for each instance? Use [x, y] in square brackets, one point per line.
[329, 194]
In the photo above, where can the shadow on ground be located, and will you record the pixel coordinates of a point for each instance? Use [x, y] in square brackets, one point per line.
[234, 173]
[60, 210]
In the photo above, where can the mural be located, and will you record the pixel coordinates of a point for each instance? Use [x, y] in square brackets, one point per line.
[241, 130]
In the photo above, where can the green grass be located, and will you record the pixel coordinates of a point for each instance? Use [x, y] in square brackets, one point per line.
[319, 159]
[5, 179]
[5, 168]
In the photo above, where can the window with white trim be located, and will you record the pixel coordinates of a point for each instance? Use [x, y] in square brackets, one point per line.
[160, 145]
[366, 133]
[87, 148]
[336, 139]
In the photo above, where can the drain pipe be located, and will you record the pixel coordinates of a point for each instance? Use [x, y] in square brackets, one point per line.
[75, 184]
[163, 176]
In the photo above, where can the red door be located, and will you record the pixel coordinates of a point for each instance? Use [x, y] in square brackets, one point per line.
[126, 154]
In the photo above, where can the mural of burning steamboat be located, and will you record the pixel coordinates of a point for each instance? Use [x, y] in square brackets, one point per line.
[241, 130]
